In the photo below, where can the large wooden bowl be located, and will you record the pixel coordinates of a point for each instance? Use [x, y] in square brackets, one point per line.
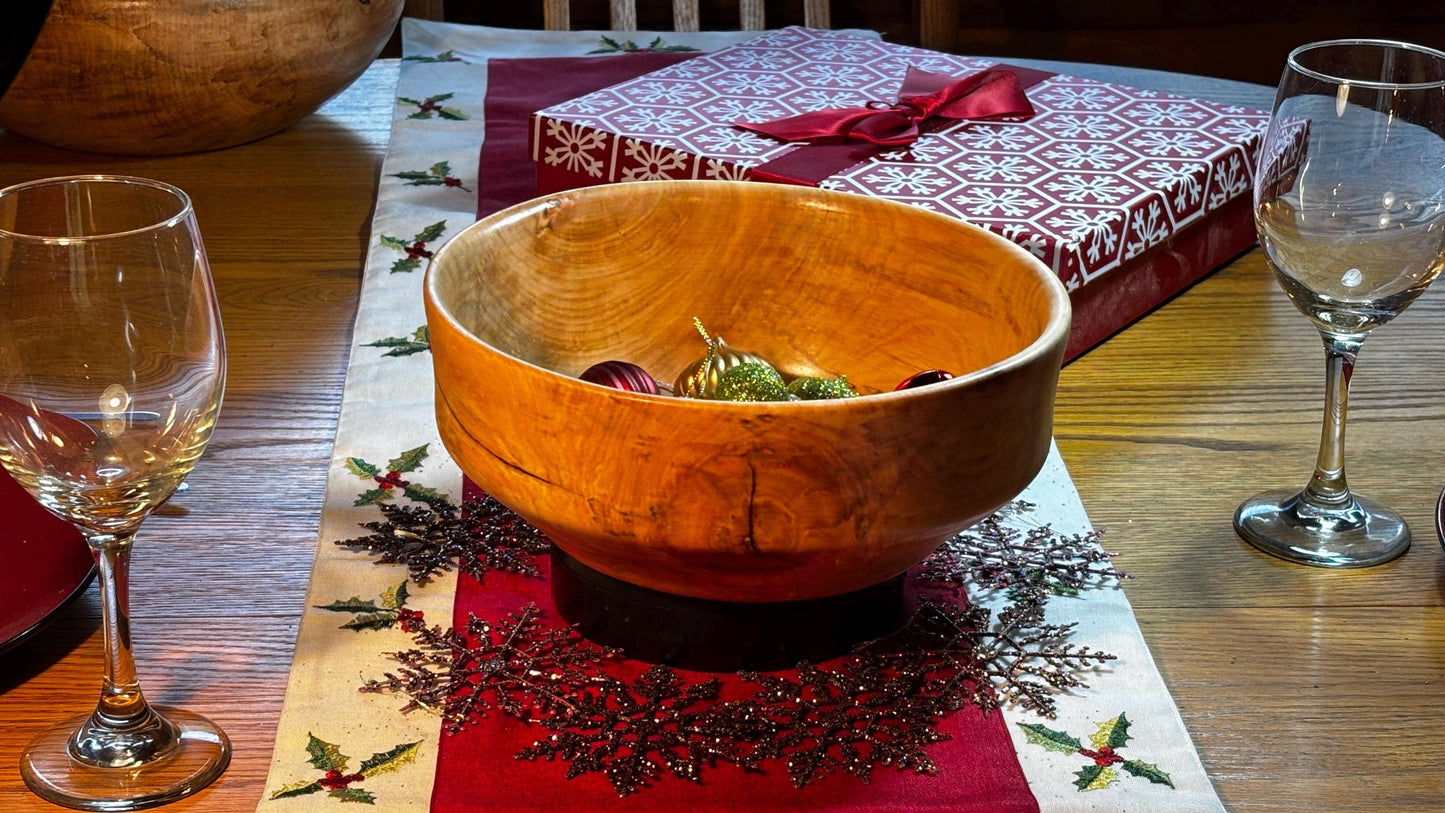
[743, 502]
[161, 77]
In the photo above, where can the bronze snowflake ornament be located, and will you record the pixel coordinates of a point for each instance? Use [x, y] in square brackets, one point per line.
[514, 665]
[881, 706]
[1028, 564]
[480, 537]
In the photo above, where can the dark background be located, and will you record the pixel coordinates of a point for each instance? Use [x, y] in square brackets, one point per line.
[1234, 39]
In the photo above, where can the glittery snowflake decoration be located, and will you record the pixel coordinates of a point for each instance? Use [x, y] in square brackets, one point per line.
[1006, 660]
[1029, 564]
[482, 537]
[514, 665]
[881, 706]
[635, 732]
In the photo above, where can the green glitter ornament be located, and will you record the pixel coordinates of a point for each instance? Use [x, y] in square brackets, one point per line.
[701, 378]
[808, 388]
[751, 381]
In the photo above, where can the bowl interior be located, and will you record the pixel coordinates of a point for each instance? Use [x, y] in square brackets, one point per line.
[818, 283]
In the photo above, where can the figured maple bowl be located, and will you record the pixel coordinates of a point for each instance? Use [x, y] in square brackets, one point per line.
[160, 77]
[754, 502]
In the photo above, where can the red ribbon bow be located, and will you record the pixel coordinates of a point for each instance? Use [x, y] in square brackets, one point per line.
[991, 94]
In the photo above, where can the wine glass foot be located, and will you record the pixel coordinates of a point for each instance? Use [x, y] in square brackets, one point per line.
[1363, 534]
[199, 755]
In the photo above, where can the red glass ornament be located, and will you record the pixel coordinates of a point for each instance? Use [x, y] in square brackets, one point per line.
[923, 379]
[620, 375]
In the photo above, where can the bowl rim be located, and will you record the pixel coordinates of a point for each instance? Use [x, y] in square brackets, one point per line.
[1054, 333]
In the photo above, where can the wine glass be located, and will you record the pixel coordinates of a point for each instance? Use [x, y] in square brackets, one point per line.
[1349, 202]
[111, 370]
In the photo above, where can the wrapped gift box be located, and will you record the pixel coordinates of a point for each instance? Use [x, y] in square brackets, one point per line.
[1129, 195]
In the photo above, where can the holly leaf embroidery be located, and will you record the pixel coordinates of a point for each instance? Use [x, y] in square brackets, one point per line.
[393, 242]
[1145, 770]
[444, 56]
[301, 788]
[353, 795]
[1051, 739]
[328, 757]
[424, 494]
[352, 605]
[659, 45]
[369, 616]
[409, 460]
[405, 265]
[395, 597]
[1112, 733]
[431, 232]
[1110, 736]
[385, 619]
[420, 341]
[451, 114]
[371, 496]
[324, 755]
[361, 468]
[438, 174]
[1094, 777]
[388, 761]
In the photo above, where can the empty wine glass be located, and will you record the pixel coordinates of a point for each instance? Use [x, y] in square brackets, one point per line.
[1349, 202]
[111, 370]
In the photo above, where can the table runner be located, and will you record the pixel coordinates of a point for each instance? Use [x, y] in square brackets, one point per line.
[335, 744]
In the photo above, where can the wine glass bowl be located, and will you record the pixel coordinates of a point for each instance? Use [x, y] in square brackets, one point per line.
[112, 365]
[1349, 203]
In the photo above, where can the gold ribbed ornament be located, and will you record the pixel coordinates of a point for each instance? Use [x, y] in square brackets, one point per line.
[700, 378]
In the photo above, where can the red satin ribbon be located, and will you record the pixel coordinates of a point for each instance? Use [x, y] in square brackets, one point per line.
[991, 94]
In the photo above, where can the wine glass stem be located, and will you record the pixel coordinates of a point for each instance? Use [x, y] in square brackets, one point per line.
[123, 730]
[121, 701]
[1327, 488]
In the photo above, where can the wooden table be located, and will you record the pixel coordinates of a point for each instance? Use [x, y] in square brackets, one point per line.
[1305, 689]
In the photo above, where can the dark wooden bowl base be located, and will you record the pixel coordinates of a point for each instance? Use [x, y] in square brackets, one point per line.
[721, 636]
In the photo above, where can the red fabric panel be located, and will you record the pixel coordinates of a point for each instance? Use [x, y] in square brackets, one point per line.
[978, 771]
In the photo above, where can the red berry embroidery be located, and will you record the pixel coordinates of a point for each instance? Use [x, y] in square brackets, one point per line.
[334, 779]
[410, 620]
[391, 480]
[1103, 756]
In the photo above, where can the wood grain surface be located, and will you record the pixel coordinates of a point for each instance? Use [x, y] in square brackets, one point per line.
[1304, 689]
[158, 78]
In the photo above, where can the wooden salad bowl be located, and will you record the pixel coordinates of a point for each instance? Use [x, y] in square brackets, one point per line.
[751, 502]
[161, 77]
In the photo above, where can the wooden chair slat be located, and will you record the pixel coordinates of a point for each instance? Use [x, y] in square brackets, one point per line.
[815, 14]
[751, 12]
[624, 15]
[684, 15]
[557, 14]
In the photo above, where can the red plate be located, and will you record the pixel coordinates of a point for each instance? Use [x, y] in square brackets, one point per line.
[44, 564]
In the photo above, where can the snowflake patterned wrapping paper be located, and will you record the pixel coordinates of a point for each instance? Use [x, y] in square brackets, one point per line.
[1102, 178]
